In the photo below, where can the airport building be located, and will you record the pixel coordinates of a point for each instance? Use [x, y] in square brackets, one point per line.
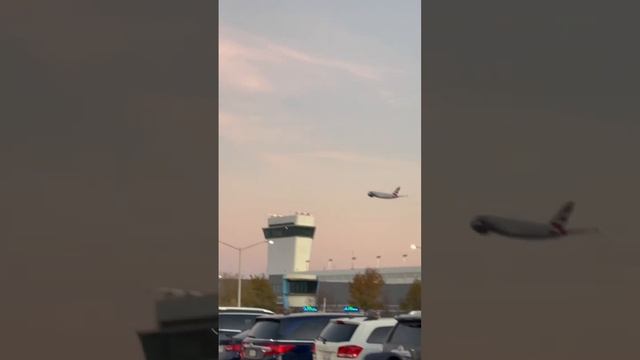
[186, 320]
[296, 286]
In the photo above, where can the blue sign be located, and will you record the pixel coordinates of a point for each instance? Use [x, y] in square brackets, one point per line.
[351, 309]
[309, 308]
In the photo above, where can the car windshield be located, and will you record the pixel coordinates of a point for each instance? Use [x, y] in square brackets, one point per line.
[265, 329]
[407, 333]
[303, 328]
[379, 335]
[338, 332]
[292, 328]
[240, 322]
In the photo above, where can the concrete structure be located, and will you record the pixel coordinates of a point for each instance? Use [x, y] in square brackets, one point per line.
[292, 237]
[299, 290]
[330, 288]
[391, 275]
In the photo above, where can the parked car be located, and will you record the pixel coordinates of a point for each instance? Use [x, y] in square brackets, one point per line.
[403, 341]
[286, 337]
[352, 338]
[231, 348]
[233, 321]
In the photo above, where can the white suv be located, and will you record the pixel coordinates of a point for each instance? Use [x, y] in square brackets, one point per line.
[352, 338]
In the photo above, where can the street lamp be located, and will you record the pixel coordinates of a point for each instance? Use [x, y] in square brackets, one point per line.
[239, 250]
[378, 261]
[404, 257]
[415, 247]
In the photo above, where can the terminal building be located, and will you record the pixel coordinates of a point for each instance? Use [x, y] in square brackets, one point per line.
[296, 286]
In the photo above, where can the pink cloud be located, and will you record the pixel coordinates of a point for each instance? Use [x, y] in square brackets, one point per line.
[242, 55]
[343, 157]
[244, 130]
[256, 130]
[358, 70]
[236, 71]
[289, 159]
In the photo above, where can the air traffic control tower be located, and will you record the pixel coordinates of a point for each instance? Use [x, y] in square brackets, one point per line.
[292, 236]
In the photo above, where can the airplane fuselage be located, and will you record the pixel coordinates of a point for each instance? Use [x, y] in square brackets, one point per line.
[514, 228]
[382, 195]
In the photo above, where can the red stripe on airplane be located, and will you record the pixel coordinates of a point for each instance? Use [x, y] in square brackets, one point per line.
[559, 228]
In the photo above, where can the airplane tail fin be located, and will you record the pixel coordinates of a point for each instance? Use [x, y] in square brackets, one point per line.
[396, 191]
[562, 217]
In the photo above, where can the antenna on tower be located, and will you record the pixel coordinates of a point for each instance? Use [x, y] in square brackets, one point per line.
[353, 259]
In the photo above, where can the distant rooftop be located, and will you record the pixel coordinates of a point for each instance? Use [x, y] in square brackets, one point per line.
[298, 218]
[391, 275]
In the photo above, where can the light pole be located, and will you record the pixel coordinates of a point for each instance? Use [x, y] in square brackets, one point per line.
[415, 247]
[239, 250]
[378, 261]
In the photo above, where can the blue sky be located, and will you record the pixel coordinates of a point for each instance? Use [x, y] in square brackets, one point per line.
[319, 103]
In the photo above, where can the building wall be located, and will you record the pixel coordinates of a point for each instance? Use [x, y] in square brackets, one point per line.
[303, 254]
[333, 286]
[395, 275]
[281, 256]
[287, 255]
[292, 238]
[298, 301]
[337, 294]
[299, 219]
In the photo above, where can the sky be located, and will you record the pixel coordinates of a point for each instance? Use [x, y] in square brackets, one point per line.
[319, 104]
[108, 162]
[528, 105]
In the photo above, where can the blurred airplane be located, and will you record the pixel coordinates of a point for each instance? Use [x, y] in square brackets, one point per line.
[485, 224]
[383, 195]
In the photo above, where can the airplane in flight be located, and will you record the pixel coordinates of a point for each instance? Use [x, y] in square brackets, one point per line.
[514, 228]
[383, 195]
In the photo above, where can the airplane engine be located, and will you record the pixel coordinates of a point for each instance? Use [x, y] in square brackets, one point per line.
[480, 227]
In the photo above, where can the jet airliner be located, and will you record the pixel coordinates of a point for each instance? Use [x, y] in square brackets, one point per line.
[383, 195]
[514, 228]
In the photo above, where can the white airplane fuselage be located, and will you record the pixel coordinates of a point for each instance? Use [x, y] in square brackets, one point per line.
[486, 224]
[382, 195]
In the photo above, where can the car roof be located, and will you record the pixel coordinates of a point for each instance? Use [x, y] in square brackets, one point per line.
[364, 320]
[244, 309]
[242, 334]
[350, 320]
[408, 317]
[305, 314]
